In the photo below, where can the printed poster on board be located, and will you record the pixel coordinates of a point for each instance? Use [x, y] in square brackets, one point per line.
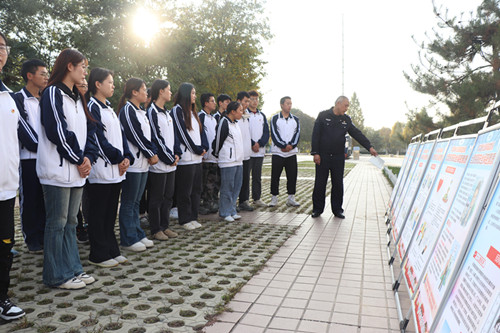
[422, 195]
[436, 209]
[411, 188]
[410, 152]
[474, 302]
[401, 195]
[460, 222]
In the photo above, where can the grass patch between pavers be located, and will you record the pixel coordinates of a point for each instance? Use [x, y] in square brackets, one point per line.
[178, 285]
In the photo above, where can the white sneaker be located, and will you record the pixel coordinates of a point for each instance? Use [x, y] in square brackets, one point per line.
[229, 219]
[189, 226]
[136, 247]
[74, 283]
[274, 201]
[236, 216]
[121, 259]
[259, 203]
[106, 263]
[174, 213]
[291, 202]
[147, 242]
[85, 278]
[196, 224]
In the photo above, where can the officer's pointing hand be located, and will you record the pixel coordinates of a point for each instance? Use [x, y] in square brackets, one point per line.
[373, 151]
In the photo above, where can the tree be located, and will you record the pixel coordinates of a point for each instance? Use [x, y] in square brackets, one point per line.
[460, 62]
[418, 122]
[356, 113]
[396, 141]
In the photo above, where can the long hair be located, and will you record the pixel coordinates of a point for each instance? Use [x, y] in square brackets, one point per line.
[183, 98]
[60, 70]
[132, 84]
[155, 90]
[97, 75]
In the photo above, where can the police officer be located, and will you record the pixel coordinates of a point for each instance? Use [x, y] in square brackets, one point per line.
[328, 142]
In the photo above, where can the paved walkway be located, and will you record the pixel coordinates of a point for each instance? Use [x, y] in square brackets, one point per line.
[332, 276]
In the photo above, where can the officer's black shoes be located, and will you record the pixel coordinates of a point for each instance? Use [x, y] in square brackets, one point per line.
[315, 214]
[339, 214]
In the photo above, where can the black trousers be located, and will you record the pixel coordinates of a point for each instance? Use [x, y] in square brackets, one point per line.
[290, 165]
[188, 191]
[245, 184]
[255, 167]
[160, 196]
[100, 207]
[6, 244]
[333, 165]
[32, 207]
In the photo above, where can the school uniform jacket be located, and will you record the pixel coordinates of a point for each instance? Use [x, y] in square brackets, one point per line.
[163, 136]
[228, 143]
[136, 127]
[244, 124]
[29, 109]
[209, 123]
[63, 140]
[259, 131]
[192, 142]
[111, 143]
[9, 147]
[284, 131]
[217, 116]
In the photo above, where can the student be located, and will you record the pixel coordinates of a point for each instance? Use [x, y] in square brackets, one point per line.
[32, 210]
[243, 98]
[285, 134]
[228, 148]
[138, 132]
[162, 175]
[194, 145]
[222, 101]
[64, 159]
[259, 133]
[211, 183]
[105, 180]
[9, 182]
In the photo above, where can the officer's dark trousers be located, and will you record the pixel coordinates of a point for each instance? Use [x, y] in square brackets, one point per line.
[333, 164]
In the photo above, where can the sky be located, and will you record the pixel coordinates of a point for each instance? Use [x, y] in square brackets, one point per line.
[305, 55]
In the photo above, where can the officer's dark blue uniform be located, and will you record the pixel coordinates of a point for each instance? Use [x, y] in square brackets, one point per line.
[328, 140]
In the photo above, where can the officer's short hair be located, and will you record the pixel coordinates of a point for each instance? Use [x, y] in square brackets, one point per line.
[283, 99]
[340, 99]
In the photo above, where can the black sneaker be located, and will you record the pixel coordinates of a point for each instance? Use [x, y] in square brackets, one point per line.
[82, 237]
[8, 311]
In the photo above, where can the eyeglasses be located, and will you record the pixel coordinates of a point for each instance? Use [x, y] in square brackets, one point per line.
[5, 49]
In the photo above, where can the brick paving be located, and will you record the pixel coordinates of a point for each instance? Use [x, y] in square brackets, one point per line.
[332, 276]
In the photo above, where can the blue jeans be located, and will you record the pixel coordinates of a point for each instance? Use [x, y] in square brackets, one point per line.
[130, 226]
[61, 260]
[230, 185]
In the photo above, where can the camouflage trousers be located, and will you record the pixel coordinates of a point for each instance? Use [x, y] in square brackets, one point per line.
[210, 187]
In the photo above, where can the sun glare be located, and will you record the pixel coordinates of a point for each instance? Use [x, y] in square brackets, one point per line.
[145, 25]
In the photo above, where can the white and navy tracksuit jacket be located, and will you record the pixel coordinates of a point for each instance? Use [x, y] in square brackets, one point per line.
[29, 109]
[259, 132]
[192, 142]
[284, 131]
[111, 144]
[228, 143]
[136, 127]
[244, 124]
[63, 140]
[163, 136]
[209, 123]
[9, 148]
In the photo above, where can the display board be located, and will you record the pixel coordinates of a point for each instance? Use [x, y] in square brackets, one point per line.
[459, 225]
[474, 302]
[436, 209]
[403, 172]
[401, 195]
[422, 195]
[412, 187]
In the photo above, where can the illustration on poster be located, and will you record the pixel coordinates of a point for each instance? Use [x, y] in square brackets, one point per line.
[469, 206]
